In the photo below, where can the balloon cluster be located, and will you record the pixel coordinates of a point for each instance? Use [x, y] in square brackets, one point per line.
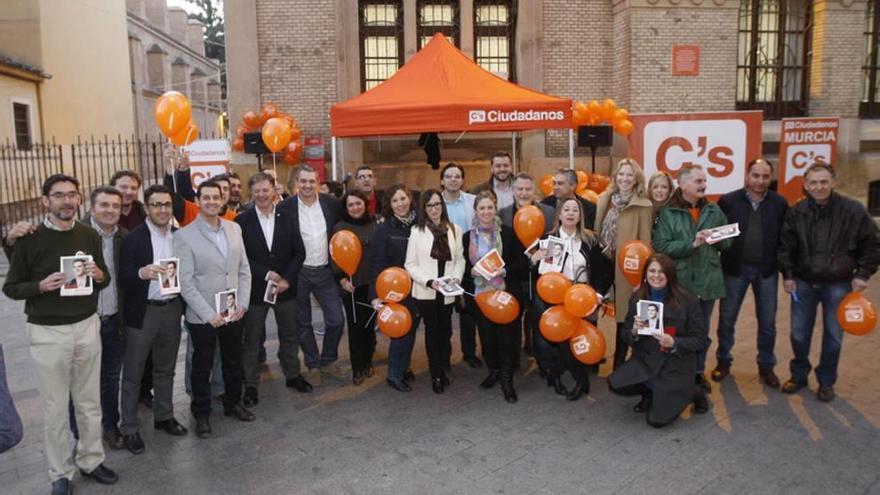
[279, 131]
[564, 320]
[173, 114]
[392, 286]
[594, 113]
[589, 186]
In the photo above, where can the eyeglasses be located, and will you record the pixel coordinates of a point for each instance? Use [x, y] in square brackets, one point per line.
[433, 205]
[61, 195]
[160, 206]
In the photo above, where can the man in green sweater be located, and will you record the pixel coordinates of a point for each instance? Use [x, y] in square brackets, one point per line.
[63, 332]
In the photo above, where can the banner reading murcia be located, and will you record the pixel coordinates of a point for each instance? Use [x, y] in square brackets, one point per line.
[207, 158]
[723, 143]
[804, 141]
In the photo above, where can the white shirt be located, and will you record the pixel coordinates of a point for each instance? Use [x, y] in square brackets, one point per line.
[163, 248]
[503, 192]
[267, 223]
[575, 263]
[313, 229]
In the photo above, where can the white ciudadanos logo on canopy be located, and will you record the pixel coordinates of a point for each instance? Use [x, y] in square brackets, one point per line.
[493, 116]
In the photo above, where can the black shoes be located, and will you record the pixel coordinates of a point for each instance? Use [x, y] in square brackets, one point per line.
[490, 380]
[399, 385]
[299, 384]
[721, 371]
[555, 382]
[102, 474]
[701, 404]
[203, 427]
[358, 377]
[700, 380]
[113, 438]
[580, 389]
[768, 377]
[171, 427]
[134, 443]
[437, 385]
[826, 394]
[61, 486]
[643, 405]
[409, 376]
[251, 397]
[507, 386]
[473, 361]
[444, 379]
[239, 412]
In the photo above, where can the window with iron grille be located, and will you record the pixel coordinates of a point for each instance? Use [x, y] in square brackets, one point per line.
[437, 16]
[773, 58]
[381, 36]
[21, 115]
[495, 36]
[870, 104]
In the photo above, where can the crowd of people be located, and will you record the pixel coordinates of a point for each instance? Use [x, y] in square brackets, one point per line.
[100, 356]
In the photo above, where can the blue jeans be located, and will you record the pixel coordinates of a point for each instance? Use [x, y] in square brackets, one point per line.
[323, 285]
[10, 422]
[112, 356]
[400, 350]
[803, 319]
[706, 305]
[764, 289]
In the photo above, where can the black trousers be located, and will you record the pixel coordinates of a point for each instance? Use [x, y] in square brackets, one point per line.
[438, 332]
[205, 339]
[500, 343]
[467, 333]
[361, 337]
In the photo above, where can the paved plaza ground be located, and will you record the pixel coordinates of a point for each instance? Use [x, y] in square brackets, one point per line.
[345, 439]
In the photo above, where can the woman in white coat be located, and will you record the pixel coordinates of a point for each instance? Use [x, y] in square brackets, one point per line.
[434, 251]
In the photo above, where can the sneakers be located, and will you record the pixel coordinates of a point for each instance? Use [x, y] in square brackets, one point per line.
[335, 370]
[313, 376]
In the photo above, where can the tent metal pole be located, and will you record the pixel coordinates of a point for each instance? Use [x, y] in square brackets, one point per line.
[333, 155]
[570, 148]
[513, 146]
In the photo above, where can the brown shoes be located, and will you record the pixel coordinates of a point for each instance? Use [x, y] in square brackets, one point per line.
[792, 386]
[721, 371]
[768, 377]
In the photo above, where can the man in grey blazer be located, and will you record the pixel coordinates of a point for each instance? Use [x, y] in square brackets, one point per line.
[221, 265]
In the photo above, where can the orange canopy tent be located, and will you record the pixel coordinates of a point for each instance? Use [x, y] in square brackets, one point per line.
[440, 89]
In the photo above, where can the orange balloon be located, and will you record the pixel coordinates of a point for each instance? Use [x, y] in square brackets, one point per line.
[546, 185]
[295, 133]
[393, 284]
[238, 144]
[557, 325]
[251, 119]
[552, 286]
[276, 134]
[172, 112]
[594, 107]
[583, 180]
[581, 300]
[620, 115]
[587, 343]
[631, 260]
[582, 108]
[624, 128]
[269, 111]
[498, 306]
[187, 135]
[590, 196]
[240, 130]
[394, 320]
[608, 109]
[345, 250]
[856, 314]
[598, 183]
[291, 158]
[528, 223]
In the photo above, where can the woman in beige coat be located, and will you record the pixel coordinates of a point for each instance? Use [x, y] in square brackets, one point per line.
[623, 214]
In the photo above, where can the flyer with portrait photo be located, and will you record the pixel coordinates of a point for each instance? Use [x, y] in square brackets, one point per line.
[651, 314]
[554, 258]
[76, 282]
[169, 281]
[489, 265]
[724, 232]
[226, 303]
[449, 288]
[271, 294]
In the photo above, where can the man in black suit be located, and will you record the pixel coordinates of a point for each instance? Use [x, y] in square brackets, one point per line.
[268, 234]
[365, 182]
[151, 319]
[314, 216]
[564, 185]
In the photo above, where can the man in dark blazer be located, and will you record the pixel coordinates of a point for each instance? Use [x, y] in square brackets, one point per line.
[151, 319]
[564, 185]
[314, 216]
[268, 234]
[365, 182]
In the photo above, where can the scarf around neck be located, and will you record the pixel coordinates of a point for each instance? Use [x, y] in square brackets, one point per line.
[609, 224]
[483, 240]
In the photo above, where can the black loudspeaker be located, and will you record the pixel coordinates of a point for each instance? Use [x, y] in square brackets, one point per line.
[591, 136]
[253, 143]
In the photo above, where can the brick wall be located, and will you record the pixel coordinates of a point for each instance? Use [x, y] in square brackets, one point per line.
[298, 53]
[838, 53]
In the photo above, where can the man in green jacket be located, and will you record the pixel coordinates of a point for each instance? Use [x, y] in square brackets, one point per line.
[681, 232]
[63, 331]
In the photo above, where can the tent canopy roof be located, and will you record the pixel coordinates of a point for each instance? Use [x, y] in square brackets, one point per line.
[441, 90]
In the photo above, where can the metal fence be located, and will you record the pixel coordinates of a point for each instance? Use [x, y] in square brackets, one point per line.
[22, 172]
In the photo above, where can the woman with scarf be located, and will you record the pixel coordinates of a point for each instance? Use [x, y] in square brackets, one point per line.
[583, 263]
[499, 342]
[662, 366]
[623, 214]
[356, 290]
[434, 252]
[387, 249]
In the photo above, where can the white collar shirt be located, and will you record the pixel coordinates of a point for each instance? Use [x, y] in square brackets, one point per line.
[313, 229]
[163, 248]
[575, 265]
[267, 224]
